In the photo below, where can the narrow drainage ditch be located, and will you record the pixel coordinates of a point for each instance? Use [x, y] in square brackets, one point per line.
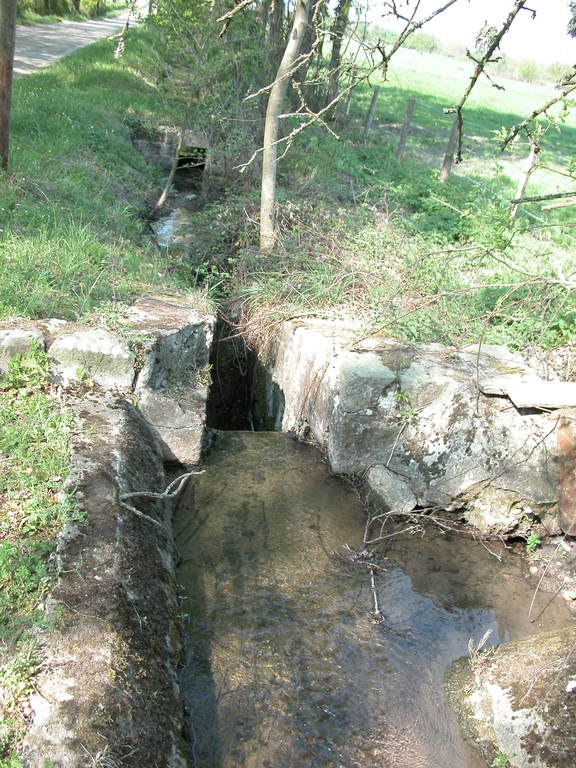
[243, 395]
[173, 230]
[191, 192]
[285, 665]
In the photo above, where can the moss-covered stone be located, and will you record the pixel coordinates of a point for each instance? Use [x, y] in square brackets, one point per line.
[521, 699]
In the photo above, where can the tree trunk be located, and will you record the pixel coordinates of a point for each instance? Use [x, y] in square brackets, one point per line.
[310, 39]
[7, 38]
[271, 128]
[337, 33]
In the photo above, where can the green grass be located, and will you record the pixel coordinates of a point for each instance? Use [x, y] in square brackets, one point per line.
[362, 236]
[35, 435]
[359, 233]
[73, 207]
[28, 15]
[436, 83]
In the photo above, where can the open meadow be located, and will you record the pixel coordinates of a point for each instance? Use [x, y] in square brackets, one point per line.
[438, 82]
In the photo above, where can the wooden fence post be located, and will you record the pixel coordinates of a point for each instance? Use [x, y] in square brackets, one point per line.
[352, 83]
[449, 156]
[371, 112]
[405, 129]
[523, 182]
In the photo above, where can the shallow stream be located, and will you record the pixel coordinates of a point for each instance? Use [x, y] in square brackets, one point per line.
[176, 230]
[285, 666]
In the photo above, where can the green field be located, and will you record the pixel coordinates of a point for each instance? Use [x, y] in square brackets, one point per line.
[437, 82]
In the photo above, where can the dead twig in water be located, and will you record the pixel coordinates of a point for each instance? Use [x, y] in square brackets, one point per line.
[377, 616]
[363, 557]
[498, 557]
[554, 596]
[411, 529]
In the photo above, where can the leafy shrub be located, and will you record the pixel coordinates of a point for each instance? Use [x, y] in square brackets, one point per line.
[26, 373]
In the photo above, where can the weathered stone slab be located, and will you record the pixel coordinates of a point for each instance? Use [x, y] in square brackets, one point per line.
[94, 354]
[541, 394]
[363, 381]
[171, 388]
[412, 420]
[178, 424]
[14, 341]
[495, 367]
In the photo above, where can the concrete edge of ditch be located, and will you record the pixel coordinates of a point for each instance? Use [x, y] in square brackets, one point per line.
[425, 427]
[107, 692]
[109, 688]
[109, 685]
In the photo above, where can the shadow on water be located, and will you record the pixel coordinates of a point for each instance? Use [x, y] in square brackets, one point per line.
[285, 667]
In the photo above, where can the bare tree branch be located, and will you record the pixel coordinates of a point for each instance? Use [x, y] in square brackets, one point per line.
[540, 198]
[569, 85]
[480, 64]
[227, 17]
[411, 27]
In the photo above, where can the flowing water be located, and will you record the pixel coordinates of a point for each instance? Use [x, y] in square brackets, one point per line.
[285, 666]
[176, 230]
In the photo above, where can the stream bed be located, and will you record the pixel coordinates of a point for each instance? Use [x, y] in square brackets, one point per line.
[285, 666]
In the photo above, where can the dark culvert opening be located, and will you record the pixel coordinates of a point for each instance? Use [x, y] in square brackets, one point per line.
[190, 169]
[193, 158]
[242, 395]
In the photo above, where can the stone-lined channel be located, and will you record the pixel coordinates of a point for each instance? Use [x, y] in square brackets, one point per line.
[284, 666]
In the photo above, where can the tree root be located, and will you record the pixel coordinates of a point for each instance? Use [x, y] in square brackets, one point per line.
[120, 497]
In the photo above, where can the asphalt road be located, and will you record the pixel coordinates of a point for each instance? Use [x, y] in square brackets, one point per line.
[39, 45]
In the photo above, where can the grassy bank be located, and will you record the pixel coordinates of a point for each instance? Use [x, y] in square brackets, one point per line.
[35, 436]
[51, 11]
[72, 210]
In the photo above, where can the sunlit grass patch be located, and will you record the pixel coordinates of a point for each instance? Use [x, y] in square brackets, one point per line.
[35, 435]
[73, 229]
[65, 271]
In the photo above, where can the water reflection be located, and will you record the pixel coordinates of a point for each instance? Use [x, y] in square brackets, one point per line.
[284, 665]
